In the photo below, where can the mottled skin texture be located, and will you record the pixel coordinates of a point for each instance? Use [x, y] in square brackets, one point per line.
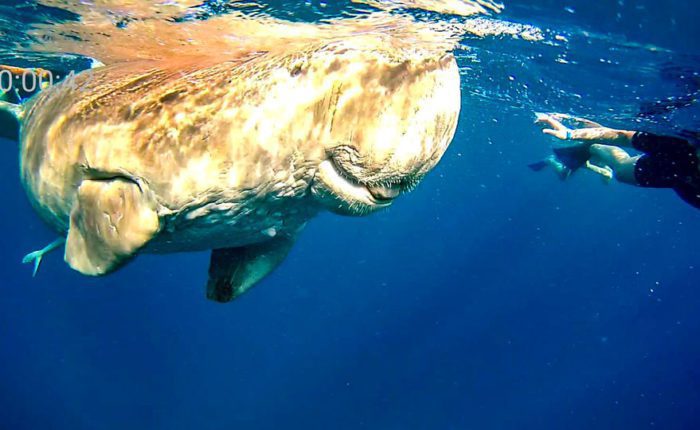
[205, 153]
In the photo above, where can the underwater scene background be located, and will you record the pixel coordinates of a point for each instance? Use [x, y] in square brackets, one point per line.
[491, 297]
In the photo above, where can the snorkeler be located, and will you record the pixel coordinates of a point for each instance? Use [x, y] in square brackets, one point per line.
[664, 162]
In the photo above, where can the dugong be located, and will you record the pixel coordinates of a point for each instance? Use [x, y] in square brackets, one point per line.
[232, 155]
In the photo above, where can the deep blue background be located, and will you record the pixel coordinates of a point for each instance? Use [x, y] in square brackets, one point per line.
[489, 298]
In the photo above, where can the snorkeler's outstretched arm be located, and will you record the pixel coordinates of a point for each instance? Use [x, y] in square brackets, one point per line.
[587, 131]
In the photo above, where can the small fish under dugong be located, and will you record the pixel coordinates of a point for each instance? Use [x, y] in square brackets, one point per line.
[235, 151]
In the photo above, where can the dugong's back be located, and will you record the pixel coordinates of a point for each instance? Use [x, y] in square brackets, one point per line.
[128, 120]
[205, 126]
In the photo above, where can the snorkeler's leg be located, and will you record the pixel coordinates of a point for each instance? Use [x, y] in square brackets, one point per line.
[561, 170]
[617, 159]
[36, 256]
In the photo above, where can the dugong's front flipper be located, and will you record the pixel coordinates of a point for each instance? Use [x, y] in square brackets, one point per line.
[232, 271]
[111, 220]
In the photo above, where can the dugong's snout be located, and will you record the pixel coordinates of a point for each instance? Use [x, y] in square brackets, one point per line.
[339, 191]
[399, 132]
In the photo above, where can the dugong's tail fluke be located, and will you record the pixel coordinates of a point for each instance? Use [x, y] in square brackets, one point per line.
[16, 111]
[8, 74]
[10, 116]
[12, 106]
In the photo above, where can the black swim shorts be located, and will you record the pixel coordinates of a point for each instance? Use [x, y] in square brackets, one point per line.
[668, 162]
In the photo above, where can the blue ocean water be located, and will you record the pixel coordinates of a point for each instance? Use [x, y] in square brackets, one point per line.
[489, 298]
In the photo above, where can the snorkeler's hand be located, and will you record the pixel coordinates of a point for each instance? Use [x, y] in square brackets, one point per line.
[557, 129]
[605, 171]
[589, 132]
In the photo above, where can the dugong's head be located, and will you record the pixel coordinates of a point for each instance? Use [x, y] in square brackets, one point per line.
[393, 120]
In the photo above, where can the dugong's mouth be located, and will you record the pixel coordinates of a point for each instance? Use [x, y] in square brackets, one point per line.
[345, 194]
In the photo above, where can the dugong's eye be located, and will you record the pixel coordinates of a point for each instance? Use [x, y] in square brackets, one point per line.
[297, 68]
